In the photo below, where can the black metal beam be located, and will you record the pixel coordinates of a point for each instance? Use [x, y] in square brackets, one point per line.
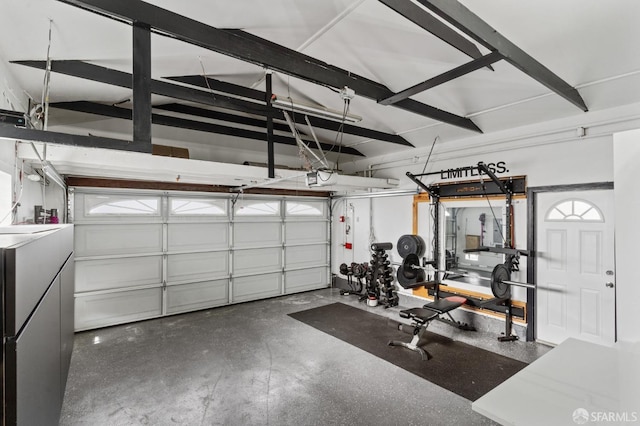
[122, 79]
[415, 14]
[165, 120]
[141, 83]
[443, 78]
[17, 133]
[221, 116]
[485, 169]
[250, 48]
[466, 21]
[317, 122]
[220, 86]
[271, 161]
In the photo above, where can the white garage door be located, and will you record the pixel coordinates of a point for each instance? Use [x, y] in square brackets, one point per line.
[142, 255]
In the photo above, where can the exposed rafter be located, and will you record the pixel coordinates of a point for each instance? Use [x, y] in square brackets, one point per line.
[165, 120]
[122, 79]
[247, 47]
[219, 86]
[412, 12]
[220, 116]
[234, 89]
[469, 23]
[443, 78]
[8, 131]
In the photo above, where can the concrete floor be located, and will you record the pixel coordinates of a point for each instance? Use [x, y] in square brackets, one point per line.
[251, 364]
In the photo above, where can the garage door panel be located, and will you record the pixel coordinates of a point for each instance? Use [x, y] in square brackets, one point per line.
[197, 266]
[257, 260]
[300, 256]
[305, 279]
[305, 232]
[101, 310]
[101, 240]
[257, 234]
[202, 295]
[256, 287]
[198, 236]
[92, 275]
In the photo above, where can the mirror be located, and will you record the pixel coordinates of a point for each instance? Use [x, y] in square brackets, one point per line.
[470, 228]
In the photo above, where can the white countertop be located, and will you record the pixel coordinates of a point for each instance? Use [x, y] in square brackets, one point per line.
[602, 381]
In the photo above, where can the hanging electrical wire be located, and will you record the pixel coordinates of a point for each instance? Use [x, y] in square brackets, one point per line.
[47, 81]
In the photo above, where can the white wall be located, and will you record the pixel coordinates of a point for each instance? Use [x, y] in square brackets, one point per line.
[547, 154]
[626, 148]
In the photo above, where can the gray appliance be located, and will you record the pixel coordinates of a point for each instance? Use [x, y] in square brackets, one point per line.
[36, 275]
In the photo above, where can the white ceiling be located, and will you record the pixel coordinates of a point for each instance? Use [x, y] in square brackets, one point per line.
[591, 44]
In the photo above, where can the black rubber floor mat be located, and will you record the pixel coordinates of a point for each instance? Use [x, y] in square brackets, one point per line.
[461, 368]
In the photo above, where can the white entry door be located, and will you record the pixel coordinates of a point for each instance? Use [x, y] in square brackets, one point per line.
[575, 266]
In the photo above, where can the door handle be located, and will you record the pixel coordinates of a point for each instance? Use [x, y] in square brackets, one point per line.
[609, 284]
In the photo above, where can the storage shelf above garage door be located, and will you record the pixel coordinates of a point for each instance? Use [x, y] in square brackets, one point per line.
[143, 254]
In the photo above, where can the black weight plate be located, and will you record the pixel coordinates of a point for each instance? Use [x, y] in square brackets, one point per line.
[344, 269]
[408, 244]
[499, 274]
[404, 282]
[410, 263]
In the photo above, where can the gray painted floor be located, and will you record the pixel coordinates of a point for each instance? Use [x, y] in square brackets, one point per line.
[251, 364]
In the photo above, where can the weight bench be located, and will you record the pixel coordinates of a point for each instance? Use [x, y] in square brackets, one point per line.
[422, 317]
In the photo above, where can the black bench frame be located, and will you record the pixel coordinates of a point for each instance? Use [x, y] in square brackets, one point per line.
[422, 317]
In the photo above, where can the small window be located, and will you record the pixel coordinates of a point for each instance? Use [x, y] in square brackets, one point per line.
[308, 208]
[574, 211]
[104, 205]
[257, 208]
[195, 207]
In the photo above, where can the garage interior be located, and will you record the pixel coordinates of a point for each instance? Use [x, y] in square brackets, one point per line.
[219, 213]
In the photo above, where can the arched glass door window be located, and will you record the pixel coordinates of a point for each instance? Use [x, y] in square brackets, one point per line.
[574, 211]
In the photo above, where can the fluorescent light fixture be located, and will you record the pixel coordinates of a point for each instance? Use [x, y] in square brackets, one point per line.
[287, 104]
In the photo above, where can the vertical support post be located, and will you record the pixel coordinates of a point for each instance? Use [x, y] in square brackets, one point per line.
[270, 154]
[531, 264]
[509, 230]
[141, 83]
[436, 245]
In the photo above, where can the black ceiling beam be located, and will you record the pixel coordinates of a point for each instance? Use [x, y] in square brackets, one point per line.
[122, 79]
[250, 48]
[141, 83]
[221, 116]
[415, 14]
[220, 86]
[317, 122]
[443, 78]
[165, 120]
[469, 23]
[17, 133]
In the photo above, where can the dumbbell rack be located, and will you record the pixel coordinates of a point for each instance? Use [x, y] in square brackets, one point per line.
[357, 271]
[380, 278]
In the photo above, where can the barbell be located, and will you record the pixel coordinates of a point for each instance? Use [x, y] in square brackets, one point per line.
[500, 276]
